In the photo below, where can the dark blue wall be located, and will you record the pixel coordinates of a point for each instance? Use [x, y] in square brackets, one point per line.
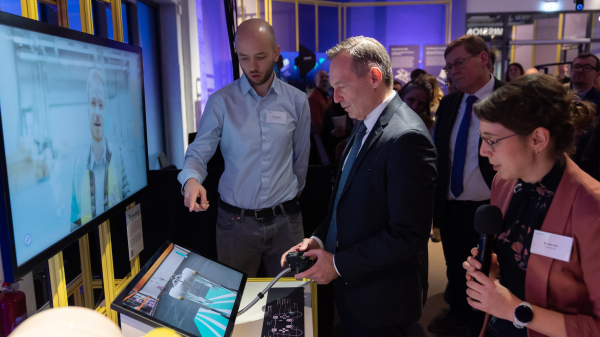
[328, 28]
[390, 25]
[306, 15]
[459, 18]
[284, 24]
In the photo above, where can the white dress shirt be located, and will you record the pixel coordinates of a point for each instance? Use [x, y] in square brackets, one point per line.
[475, 187]
[369, 121]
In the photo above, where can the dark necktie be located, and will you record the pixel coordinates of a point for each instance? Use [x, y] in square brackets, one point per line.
[460, 149]
[331, 241]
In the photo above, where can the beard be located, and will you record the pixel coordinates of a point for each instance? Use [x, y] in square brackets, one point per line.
[264, 79]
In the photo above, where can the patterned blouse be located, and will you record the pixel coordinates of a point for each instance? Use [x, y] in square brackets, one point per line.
[526, 213]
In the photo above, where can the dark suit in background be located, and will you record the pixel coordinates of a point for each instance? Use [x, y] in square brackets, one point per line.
[455, 218]
[383, 224]
[587, 153]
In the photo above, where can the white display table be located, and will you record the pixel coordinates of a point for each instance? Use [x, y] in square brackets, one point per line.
[250, 323]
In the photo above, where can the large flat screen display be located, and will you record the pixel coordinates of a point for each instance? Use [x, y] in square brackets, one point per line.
[73, 136]
[185, 291]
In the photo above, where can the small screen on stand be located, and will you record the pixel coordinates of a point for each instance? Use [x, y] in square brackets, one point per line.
[182, 290]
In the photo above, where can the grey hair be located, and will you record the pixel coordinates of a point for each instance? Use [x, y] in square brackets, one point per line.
[366, 53]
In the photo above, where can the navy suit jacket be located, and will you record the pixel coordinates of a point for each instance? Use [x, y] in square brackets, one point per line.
[587, 151]
[384, 220]
[445, 119]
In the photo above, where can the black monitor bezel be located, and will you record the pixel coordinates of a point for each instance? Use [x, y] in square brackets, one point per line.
[118, 306]
[12, 271]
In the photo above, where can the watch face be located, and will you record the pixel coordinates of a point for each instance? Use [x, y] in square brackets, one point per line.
[524, 313]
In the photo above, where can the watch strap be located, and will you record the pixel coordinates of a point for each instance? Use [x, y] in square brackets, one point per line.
[517, 323]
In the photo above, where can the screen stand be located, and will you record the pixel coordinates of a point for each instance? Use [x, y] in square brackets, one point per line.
[108, 275]
[86, 272]
[135, 262]
[58, 283]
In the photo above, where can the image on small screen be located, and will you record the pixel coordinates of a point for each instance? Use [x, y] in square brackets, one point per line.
[72, 120]
[189, 292]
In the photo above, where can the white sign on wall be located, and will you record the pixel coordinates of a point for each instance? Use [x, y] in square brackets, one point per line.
[486, 31]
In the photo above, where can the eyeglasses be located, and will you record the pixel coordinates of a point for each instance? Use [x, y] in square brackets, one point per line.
[458, 64]
[587, 68]
[491, 143]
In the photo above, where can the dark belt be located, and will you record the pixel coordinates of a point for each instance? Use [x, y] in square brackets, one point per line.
[467, 203]
[291, 206]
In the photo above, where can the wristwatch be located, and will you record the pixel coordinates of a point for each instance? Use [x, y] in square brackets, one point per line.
[523, 315]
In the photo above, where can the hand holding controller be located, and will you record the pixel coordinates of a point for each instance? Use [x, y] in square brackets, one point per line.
[298, 262]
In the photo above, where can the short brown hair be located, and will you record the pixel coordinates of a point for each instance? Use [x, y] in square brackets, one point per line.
[472, 43]
[586, 55]
[366, 53]
[491, 61]
[538, 100]
[420, 84]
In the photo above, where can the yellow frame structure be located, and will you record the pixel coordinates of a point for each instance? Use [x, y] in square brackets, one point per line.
[343, 7]
[561, 25]
[29, 9]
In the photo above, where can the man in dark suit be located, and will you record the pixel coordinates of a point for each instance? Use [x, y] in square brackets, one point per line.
[376, 232]
[464, 177]
[584, 71]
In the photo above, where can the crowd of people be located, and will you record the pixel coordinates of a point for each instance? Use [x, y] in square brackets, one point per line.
[407, 157]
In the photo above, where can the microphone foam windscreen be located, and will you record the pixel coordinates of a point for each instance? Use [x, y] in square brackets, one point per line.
[488, 220]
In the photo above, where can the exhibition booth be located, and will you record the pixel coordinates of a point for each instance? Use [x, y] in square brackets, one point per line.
[74, 158]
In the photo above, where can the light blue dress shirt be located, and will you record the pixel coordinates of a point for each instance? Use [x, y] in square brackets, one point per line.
[265, 163]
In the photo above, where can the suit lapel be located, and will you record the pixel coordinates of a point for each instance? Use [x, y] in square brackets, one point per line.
[371, 139]
[343, 158]
[508, 197]
[538, 268]
[374, 135]
[454, 113]
[497, 84]
[347, 149]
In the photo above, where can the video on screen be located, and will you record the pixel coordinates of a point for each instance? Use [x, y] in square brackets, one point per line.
[73, 127]
[189, 292]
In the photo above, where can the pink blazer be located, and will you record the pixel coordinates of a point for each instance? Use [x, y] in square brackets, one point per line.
[571, 288]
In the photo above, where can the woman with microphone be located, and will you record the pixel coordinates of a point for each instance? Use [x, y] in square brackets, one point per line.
[547, 257]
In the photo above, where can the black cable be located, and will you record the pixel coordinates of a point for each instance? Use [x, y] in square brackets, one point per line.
[262, 293]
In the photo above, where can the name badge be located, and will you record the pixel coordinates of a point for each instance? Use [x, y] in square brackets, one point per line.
[276, 117]
[552, 245]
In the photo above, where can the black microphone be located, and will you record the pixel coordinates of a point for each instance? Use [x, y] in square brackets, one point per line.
[488, 223]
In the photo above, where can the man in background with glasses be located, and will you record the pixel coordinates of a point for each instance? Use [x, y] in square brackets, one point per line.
[584, 71]
[464, 177]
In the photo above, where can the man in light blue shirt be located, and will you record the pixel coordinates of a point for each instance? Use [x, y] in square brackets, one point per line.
[263, 125]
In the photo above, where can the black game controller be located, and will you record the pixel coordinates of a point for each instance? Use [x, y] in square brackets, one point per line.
[298, 262]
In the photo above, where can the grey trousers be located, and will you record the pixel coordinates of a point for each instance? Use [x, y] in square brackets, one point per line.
[242, 242]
